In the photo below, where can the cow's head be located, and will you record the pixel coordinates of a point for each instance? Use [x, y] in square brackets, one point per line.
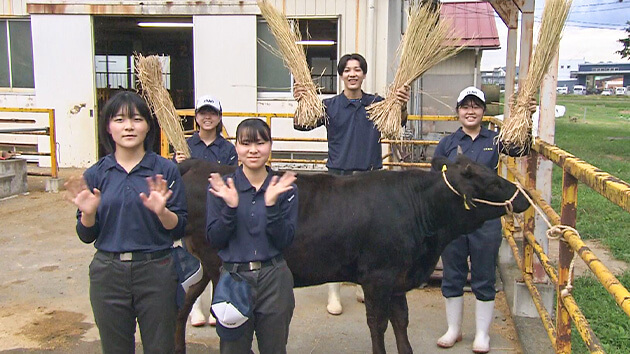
[476, 184]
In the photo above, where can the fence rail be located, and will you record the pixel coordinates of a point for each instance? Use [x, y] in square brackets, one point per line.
[49, 130]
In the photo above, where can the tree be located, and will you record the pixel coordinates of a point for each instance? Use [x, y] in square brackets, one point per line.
[625, 52]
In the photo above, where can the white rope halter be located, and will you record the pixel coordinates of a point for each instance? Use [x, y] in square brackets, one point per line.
[507, 204]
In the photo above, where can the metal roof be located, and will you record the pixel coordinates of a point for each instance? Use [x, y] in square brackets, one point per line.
[473, 22]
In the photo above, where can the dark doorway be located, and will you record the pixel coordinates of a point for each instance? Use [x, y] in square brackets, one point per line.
[116, 39]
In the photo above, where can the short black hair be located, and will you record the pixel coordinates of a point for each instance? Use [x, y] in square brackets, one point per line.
[354, 56]
[472, 98]
[126, 101]
[252, 128]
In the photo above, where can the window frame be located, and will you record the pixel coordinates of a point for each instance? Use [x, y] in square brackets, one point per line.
[11, 89]
[280, 95]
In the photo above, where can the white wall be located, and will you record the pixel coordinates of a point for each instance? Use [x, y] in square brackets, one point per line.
[225, 62]
[63, 58]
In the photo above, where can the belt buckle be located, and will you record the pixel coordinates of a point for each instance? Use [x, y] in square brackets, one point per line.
[126, 257]
[254, 265]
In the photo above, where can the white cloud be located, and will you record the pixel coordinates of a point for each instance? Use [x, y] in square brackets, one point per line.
[591, 44]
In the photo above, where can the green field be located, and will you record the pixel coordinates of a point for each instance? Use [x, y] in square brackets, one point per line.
[597, 129]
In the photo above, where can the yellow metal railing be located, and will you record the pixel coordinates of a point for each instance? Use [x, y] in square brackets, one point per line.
[50, 131]
[567, 310]
[268, 117]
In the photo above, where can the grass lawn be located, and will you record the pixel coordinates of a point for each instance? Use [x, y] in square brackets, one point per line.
[597, 129]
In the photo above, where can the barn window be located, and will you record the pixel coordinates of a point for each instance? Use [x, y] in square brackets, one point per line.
[321, 42]
[16, 54]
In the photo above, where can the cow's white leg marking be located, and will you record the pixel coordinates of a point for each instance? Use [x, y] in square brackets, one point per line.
[454, 315]
[334, 299]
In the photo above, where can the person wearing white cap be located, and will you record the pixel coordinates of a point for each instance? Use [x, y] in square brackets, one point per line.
[207, 144]
[482, 245]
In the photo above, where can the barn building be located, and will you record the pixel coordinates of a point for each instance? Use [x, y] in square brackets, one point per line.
[72, 55]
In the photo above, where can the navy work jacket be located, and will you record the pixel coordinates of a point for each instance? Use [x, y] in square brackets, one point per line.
[123, 223]
[252, 231]
[220, 150]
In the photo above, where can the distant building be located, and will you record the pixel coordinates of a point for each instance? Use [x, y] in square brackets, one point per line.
[566, 67]
[594, 76]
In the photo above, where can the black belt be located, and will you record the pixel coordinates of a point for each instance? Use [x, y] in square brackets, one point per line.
[249, 266]
[136, 256]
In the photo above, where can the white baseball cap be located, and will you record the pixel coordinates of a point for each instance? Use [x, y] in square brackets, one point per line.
[228, 314]
[471, 91]
[208, 101]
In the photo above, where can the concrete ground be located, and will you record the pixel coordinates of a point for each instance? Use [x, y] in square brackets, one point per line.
[45, 306]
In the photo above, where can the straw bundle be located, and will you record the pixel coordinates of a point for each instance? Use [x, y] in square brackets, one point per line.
[310, 108]
[149, 71]
[517, 130]
[425, 43]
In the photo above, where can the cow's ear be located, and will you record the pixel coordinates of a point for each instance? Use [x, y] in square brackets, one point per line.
[438, 162]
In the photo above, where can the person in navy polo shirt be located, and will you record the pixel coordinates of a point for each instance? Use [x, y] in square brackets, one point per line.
[207, 144]
[132, 205]
[251, 219]
[353, 140]
[482, 245]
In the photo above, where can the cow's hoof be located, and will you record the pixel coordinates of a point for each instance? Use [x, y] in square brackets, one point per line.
[447, 340]
[334, 308]
[197, 319]
[212, 321]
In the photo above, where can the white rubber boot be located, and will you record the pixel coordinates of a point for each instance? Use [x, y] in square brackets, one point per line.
[211, 320]
[454, 316]
[334, 299]
[360, 295]
[197, 318]
[483, 318]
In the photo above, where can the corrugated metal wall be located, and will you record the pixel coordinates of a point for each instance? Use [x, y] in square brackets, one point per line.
[13, 8]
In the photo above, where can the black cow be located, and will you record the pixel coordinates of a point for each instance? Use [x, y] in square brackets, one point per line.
[384, 230]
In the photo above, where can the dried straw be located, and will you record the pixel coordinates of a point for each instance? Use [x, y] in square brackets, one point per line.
[427, 41]
[149, 71]
[310, 108]
[516, 133]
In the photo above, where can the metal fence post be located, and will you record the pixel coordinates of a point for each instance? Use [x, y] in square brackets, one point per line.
[567, 217]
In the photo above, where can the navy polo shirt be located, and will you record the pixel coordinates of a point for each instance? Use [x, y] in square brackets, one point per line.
[353, 140]
[252, 231]
[123, 223]
[219, 151]
[484, 149]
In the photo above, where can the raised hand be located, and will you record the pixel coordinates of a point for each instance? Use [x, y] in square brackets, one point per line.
[77, 192]
[159, 193]
[298, 91]
[277, 186]
[402, 94]
[220, 189]
[180, 156]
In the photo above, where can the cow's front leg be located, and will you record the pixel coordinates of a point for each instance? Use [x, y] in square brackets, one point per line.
[182, 315]
[399, 317]
[378, 290]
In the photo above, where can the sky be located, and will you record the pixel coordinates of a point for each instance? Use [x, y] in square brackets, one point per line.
[591, 33]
